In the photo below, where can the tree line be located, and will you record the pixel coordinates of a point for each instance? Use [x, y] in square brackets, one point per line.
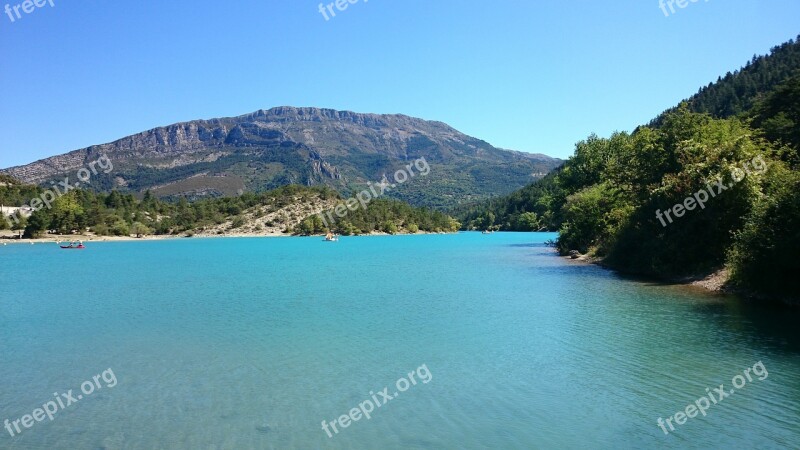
[605, 199]
[123, 214]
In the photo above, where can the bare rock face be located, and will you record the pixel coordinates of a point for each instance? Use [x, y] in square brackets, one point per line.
[279, 146]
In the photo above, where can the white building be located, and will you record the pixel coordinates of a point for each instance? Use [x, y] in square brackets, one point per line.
[10, 211]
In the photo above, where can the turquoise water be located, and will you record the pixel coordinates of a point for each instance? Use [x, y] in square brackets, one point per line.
[252, 343]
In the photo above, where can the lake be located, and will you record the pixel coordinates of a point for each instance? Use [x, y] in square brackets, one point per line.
[253, 343]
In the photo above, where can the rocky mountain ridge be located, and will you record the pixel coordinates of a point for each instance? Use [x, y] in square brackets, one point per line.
[310, 146]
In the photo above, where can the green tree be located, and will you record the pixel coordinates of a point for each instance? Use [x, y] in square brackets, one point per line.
[38, 223]
[528, 221]
[585, 214]
[310, 225]
[19, 223]
[238, 222]
[139, 229]
[779, 116]
[67, 214]
[389, 227]
[120, 228]
[763, 257]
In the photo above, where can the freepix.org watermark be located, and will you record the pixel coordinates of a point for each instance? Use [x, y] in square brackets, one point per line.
[702, 404]
[61, 402]
[340, 5]
[27, 7]
[664, 4]
[367, 195]
[702, 196]
[84, 175]
[383, 397]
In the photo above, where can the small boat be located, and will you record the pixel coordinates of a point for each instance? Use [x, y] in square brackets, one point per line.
[74, 246]
[330, 237]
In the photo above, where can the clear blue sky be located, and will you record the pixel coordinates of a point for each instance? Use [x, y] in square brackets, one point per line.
[528, 75]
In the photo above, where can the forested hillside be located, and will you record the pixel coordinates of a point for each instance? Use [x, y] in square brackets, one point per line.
[738, 92]
[280, 210]
[691, 195]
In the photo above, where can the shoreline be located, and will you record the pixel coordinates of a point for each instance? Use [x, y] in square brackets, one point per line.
[715, 282]
[6, 239]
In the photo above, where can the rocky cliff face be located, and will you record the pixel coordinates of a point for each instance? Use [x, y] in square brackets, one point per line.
[283, 145]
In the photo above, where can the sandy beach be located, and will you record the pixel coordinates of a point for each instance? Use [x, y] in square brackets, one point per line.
[9, 238]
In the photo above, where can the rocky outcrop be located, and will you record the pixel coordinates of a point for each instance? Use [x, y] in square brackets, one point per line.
[269, 148]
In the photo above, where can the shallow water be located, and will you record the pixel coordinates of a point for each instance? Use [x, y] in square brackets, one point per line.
[252, 343]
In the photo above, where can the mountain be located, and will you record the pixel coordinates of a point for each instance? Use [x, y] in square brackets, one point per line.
[738, 92]
[309, 146]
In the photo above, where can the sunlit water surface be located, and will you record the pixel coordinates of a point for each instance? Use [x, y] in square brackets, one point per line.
[252, 343]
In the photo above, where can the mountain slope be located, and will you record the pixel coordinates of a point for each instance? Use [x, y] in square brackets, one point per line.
[688, 197]
[310, 146]
[738, 92]
[765, 90]
[288, 209]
